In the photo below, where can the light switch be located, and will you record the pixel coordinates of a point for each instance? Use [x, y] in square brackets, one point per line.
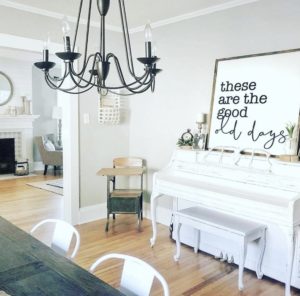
[86, 118]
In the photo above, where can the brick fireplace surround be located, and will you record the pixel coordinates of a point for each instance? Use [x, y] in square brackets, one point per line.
[20, 128]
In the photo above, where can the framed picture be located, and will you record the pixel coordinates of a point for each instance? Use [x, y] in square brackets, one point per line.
[254, 98]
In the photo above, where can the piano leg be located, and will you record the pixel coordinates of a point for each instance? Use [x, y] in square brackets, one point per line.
[153, 204]
[290, 261]
[177, 231]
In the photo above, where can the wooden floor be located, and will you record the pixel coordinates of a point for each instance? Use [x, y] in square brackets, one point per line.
[194, 274]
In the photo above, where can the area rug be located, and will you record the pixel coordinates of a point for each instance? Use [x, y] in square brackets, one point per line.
[55, 186]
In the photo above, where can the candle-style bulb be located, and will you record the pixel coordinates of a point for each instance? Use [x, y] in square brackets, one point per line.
[148, 33]
[66, 33]
[46, 42]
[65, 27]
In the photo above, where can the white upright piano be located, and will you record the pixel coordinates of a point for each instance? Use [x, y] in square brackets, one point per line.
[252, 187]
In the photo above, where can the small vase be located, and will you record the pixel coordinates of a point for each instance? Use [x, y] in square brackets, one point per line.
[291, 146]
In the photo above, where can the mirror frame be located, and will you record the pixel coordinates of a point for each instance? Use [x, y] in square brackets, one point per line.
[11, 87]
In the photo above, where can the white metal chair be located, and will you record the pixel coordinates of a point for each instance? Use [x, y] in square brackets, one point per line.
[62, 236]
[137, 275]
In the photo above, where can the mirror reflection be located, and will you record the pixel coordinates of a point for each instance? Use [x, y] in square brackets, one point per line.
[6, 89]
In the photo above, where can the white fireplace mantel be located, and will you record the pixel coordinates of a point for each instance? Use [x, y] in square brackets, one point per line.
[17, 122]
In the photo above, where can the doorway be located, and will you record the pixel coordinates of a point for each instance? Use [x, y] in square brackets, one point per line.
[70, 130]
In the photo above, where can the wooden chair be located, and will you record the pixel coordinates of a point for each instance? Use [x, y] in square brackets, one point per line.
[125, 200]
[62, 236]
[137, 275]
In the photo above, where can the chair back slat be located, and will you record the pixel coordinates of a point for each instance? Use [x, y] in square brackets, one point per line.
[137, 278]
[62, 237]
[137, 275]
[122, 162]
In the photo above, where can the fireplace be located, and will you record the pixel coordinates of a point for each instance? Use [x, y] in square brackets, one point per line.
[7, 156]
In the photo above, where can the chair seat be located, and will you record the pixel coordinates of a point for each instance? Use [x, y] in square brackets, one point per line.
[126, 193]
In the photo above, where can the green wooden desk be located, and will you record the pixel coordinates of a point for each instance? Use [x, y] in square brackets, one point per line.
[28, 267]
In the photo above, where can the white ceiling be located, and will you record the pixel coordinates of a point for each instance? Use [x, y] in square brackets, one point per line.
[138, 11]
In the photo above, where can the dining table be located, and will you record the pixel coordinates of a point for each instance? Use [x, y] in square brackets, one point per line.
[29, 267]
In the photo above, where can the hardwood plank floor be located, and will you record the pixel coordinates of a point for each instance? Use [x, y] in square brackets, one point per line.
[194, 274]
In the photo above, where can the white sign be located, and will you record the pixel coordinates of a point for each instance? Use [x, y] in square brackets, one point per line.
[254, 98]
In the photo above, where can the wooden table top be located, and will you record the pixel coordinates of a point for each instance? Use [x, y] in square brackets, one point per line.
[28, 267]
[130, 171]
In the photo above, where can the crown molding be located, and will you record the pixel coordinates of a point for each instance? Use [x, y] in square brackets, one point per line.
[55, 15]
[165, 22]
[194, 14]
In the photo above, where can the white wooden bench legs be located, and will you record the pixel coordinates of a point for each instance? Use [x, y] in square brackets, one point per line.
[177, 227]
[225, 226]
[197, 240]
[262, 247]
[243, 253]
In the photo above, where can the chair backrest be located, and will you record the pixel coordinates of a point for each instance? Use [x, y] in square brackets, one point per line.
[122, 162]
[137, 275]
[62, 236]
[40, 144]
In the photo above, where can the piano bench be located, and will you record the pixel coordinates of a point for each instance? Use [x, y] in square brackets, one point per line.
[239, 230]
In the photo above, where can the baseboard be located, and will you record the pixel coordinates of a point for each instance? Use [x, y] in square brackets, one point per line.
[92, 213]
[98, 211]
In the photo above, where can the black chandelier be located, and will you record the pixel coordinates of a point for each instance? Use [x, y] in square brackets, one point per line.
[95, 67]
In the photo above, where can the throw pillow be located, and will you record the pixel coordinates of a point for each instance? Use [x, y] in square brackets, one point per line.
[49, 146]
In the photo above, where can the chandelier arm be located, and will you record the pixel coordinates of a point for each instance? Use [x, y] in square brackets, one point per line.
[133, 88]
[50, 83]
[84, 66]
[77, 92]
[66, 90]
[54, 86]
[116, 60]
[78, 83]
[132, 72]
[87, 32]
[133, 91]
[77, 25]
[116, 87]
[61, 80]
[126, 37]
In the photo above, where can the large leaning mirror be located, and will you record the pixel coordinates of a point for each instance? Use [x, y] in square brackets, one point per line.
[6, 89]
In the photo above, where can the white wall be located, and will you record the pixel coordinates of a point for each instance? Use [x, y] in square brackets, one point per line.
[43, 100]
[19, 73]
[99, 144]
[188, 51]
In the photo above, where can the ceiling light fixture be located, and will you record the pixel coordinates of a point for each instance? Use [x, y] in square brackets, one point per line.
[96, 66]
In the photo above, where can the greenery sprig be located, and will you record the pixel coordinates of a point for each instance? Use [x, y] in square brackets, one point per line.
[181, 142]
[290, 127]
